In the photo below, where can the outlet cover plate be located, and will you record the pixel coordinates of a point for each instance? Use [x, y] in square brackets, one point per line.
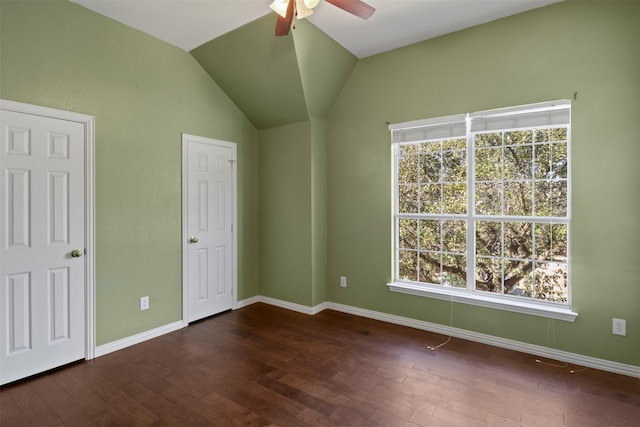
[619, 327]
[144, 303]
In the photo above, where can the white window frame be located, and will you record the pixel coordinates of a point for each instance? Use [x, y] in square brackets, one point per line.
[546, 114]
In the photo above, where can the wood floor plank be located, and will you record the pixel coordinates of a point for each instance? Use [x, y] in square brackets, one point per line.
[30, 408]
[168, 412]
[266, 366]
[59, 401]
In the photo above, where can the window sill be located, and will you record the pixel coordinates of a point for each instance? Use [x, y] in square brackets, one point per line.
[552, 312]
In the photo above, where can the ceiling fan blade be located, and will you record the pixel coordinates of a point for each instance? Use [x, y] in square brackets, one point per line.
[283, 25]
[355, 7]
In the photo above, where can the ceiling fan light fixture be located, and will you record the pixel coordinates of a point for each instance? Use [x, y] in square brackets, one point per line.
[302, 11]
[288, 9]
[280, 7]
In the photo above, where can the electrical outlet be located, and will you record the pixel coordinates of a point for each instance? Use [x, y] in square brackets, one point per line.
[144, 303]
[343, 282]
[619, 327]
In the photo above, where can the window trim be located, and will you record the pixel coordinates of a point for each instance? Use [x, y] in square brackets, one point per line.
[463, 296]
[555, 114]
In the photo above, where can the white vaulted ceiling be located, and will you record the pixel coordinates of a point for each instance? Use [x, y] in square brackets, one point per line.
[188, 24]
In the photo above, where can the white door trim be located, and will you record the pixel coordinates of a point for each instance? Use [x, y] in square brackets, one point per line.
[89, 129]
[234, 218]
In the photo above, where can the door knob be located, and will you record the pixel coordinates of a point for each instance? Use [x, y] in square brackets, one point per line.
[193, 240]
[76, 253]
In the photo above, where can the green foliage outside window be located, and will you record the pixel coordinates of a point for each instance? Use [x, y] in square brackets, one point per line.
[520, 179]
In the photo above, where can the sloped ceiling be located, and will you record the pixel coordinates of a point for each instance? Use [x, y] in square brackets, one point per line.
[189, 23]
[277, 80]
[260, 74]
[282, 80]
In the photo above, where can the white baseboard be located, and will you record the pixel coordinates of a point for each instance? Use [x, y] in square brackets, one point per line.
[248, 301]
[304, 309]
[138, 338]
[535, 350]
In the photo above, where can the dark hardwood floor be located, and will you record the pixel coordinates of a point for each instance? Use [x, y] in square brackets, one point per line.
[262, 365]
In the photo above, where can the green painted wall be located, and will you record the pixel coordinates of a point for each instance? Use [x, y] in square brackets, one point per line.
[592, 48]
[325, 66]
[143, 93]
[318, 211]
[258, 71]
[285, 213]
[293, 212]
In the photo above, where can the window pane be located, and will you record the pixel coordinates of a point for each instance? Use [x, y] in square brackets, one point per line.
[454, 198]
[489, 274]
[542, 163]
[517, 198]
[408, 233]
[454, 236]
[454, 166]
[542, 200]
[559, 161]
[409, 149]
[518, 278]
[408, 198]
[430, 166]
[455, 144]
[431, 146]
[430, 235]
[518, 240]
[559, 134]
[551, 198]
[430, 268]
[551, 161]
[408, 169]
[488, 139]
[489, 238]
[517, 162]
[408, 267]
[543, 241]
[559, 200]
[559, 242]
[551, 281]
[488, 164]
[489, 198]
[518, 137]
[454, 271]
[544, 135]
[430, 198]
[551, 242]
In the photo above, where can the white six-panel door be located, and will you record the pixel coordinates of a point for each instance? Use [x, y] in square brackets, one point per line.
[42, 244]
[208, 232]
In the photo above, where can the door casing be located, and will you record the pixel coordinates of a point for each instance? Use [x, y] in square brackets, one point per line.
[89, 212]
[186, 138]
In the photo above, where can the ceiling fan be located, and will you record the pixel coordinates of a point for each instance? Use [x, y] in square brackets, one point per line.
[287, 9]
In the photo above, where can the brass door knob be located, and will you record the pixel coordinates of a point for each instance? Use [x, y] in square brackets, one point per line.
[76, 253]
[193, 240]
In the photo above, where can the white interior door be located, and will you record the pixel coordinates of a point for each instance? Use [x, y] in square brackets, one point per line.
[209, 201]
[42, 243]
